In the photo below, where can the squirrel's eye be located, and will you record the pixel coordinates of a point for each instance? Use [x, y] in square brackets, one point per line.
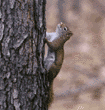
[65, 28]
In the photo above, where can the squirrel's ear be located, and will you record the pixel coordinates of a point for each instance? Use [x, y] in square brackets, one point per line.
[61, 23]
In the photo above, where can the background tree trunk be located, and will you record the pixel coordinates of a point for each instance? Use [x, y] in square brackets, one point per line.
[23, 82]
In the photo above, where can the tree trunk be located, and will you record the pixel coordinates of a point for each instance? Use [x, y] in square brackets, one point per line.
[23, 81]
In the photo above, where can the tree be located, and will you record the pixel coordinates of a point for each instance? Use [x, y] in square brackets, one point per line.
[23, 79]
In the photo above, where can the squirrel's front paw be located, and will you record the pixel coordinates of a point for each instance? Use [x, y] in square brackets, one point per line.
[45, 39]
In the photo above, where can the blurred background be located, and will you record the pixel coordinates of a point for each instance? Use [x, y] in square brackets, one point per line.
[80, 84]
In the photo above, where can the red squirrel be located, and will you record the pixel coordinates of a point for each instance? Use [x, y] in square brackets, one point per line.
[55, 54]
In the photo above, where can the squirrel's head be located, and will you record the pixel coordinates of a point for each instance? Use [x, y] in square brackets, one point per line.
[63, 30]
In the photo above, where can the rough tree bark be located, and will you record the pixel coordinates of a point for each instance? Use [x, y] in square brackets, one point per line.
[23, 81]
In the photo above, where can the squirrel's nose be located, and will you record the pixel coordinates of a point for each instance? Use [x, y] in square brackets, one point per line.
[71, 33]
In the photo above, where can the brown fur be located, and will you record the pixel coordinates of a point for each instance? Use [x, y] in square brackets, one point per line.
[54, 59]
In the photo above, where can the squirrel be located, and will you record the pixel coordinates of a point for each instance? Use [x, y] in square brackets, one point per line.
[55, 54]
